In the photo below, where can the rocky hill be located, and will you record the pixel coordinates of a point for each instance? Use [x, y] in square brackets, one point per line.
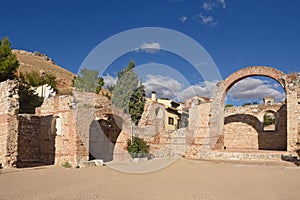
[40, 62]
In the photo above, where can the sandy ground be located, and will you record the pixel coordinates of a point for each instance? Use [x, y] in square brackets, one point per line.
[184, 179]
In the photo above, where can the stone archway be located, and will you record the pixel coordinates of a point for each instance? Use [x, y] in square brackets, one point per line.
[217, 107]
[103, 135]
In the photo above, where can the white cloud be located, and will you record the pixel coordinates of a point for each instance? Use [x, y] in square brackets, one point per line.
[164, 86]
[212, 4]
[203, 89]
[168, 87]
[109, 80]
[183, 18]
[207, 20]
[223, 3]
[207, 6]
[254, 89]
[149, 47]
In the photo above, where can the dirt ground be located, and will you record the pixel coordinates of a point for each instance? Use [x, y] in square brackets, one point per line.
[184, 179]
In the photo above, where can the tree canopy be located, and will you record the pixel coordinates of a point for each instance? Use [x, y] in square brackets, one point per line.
[8, 61]
[128, 94]
[88, 80]
[36, 79]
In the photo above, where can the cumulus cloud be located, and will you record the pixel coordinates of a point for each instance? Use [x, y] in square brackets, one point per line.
[109, 80]
[149, 47]
[183, 18]
[255, 89]
[164, 86]
[203, 89]
[168, 87]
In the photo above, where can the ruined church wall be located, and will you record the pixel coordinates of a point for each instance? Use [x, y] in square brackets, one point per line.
[35, 141]
[198, 137]
[9, 107]
[243, 128]
[67, 141]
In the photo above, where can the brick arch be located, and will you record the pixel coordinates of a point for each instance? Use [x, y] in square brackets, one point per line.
[217, 107]
[241, 74]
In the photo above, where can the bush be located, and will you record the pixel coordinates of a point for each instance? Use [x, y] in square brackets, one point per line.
[67, 164]
[137, 148]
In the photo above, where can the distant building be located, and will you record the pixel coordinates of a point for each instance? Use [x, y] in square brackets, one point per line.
[176, 117]
[45, 91]
[269, 101]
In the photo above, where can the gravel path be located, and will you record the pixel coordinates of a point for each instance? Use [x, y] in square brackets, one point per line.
[184, 179]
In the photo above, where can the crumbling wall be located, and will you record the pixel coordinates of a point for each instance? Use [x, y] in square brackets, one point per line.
[9, 107]
[244, 128]
[67, 142]
[292, 85]
[36, 144]
[198, 136]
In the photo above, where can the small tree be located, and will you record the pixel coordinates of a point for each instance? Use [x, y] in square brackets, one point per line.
[137, 147]
[123, 90]
[88, 81]
[28, 100]
[8, 61]
[35, 79]
[137, 104]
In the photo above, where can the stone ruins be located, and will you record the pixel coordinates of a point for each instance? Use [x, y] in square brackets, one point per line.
[85, 126]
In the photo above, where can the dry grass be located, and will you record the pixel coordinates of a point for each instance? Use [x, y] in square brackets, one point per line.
[30, 62]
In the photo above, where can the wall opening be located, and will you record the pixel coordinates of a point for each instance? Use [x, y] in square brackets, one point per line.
[103, 135]
[36, 145]
[243, 127]
[269, 122]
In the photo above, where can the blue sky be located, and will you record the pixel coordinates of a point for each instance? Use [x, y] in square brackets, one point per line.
[235, 33]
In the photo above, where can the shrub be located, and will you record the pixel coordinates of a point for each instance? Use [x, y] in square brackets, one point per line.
[137, 148]
[67, 164]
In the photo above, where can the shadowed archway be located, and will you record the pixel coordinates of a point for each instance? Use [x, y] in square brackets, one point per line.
[103, 134]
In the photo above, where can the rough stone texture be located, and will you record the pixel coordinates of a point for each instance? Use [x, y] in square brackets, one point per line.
[289, 84]
[9, 107]
[36, 144]
[68, 145]
[198, 138]
[244, 128]
[86, 126]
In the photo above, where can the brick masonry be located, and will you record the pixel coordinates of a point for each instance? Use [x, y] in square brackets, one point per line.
[82, 126]
[9, 107]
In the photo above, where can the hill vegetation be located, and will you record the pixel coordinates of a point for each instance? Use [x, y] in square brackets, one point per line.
[37, 63]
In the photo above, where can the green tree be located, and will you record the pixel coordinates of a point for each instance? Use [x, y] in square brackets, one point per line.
[8, 61]
[137, 104]
[28, 100]
[35, 79]
[126, 84]
[88, 80]
[129, 94]
[100, 84]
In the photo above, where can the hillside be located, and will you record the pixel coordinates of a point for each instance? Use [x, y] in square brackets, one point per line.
[40, 62]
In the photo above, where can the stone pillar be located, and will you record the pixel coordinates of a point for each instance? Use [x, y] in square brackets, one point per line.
[9, 108]
[292, 84]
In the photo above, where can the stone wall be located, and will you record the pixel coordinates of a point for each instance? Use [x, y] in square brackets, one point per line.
[67, 142]
[198, 136]
[36, 144]
[290, 83]
[244, 128]
[9, 107]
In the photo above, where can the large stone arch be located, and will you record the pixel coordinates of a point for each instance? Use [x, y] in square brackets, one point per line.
[217, 107]
[253, 71]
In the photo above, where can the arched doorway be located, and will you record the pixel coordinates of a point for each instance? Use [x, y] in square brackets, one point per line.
[217, 109]
[103, 135]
